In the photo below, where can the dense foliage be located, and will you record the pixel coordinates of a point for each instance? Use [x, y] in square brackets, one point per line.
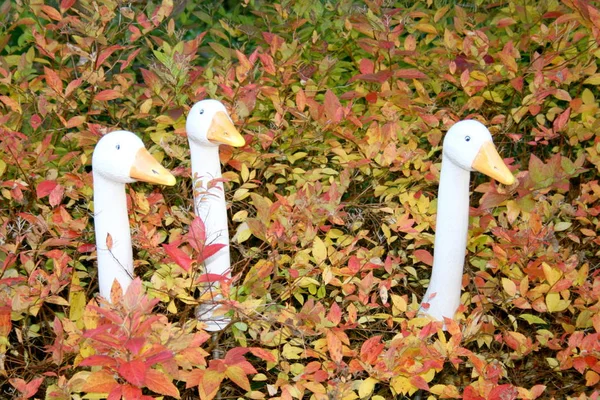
[343, 105]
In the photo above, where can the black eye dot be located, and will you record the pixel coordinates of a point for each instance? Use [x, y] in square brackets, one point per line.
[467, 138]
[118, 146]
[201, 111]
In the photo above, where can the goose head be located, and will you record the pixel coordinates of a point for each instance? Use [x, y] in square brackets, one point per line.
[208, 124]
[469, 145]
[120, 156]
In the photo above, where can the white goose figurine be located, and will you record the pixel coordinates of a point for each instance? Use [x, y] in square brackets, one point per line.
[208, 125]
[119, 158]
[467, 146]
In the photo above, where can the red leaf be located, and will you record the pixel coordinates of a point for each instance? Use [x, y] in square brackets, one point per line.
[72, 86]
[354, 264]
[197, 234]
[99, 382]
[132, 393]
[18, 384]
[86, 248]
[409, 73]
[503, 392]
[333, 108]
[161, 356]
[419, 382]
[178, 256]
[134, 372]
[238, 376]
[377, 77]
[98, 361]
[561, 121]
[366, 66]
[66, 4]
[208, 278]
[130, 58]
[262, 353]
[35, 121]
[109, 94]
[159, 382]
[211, 249]
[44, 188]
[53, 80]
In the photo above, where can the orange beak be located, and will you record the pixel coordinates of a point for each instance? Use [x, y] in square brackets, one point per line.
[489, 162]
[222, 131]
[145, 168]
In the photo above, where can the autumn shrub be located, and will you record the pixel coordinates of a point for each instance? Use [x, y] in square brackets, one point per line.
[332, 201]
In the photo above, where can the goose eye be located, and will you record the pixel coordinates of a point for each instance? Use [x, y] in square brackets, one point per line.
[201, 111]
[118, 147]
[467, 138]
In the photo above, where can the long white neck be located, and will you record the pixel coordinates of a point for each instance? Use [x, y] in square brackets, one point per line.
[443, 293]
[210, 205]
[111, 217]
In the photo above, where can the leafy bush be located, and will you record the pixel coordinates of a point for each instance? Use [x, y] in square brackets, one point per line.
[333, 200]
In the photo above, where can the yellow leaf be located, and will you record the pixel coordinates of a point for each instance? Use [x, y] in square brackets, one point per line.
[366, 387]
[399, 304]
[552, 274]
[245, 173]
[2, 167]
[402, 384]
[319, 250]
[291, 352]
[240, 216]
[509, 287]
[562, 226]
[555, 303]
[427, 28]
[587, 96]
[146, 106]
[592, 80]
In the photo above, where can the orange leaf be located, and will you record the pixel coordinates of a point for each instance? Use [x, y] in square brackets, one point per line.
[53, 80]
[371, 349]
[51, 12]
[106, 95]
[424, 256]
[333, 108]
[211, 380]
[159, 382]
[238, 376]
[75, 121]
[5, 321]
[335, 314]
[99, 382]
[104, 54]
[334, 345]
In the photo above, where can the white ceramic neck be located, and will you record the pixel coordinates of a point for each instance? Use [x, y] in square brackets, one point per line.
[450, 242]
[111, 217]
[210, 205]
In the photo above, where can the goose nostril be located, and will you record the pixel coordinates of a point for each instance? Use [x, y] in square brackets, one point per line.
[155, 172]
